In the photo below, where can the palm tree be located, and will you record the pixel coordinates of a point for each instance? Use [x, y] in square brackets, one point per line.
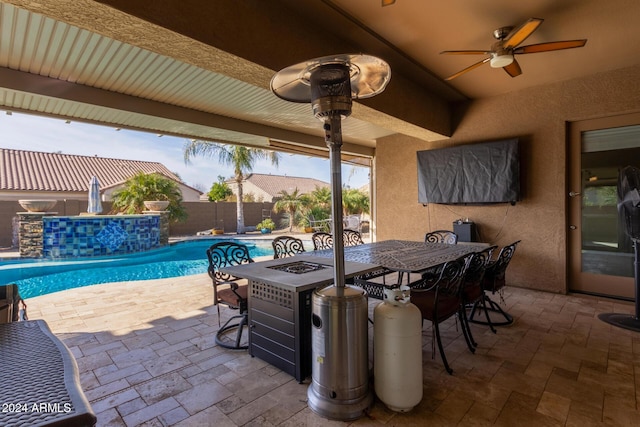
[242, 159]
[154, 186]
[354, 201]
[291, 203]
[322, 197]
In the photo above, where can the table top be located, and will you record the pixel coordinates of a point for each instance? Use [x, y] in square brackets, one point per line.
[39, 377]
[268, 272]
[403, 255]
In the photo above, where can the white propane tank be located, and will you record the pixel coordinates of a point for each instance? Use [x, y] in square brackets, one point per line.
[397, 349]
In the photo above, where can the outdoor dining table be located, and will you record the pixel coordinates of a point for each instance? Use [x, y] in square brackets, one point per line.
[280, 292]
[402, 256]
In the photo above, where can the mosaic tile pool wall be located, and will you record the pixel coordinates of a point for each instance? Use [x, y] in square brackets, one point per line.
[87, 236]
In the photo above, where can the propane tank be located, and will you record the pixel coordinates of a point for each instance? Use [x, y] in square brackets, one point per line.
[397, 349]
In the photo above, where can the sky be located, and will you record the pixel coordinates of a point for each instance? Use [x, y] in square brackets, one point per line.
[35, 133]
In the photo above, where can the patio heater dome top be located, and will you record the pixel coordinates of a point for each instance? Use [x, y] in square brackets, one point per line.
[368, 76]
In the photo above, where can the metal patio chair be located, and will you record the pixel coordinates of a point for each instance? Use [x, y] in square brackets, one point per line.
[227, 290]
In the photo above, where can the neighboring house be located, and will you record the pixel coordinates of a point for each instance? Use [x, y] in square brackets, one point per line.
[267, 188]
[38, 175]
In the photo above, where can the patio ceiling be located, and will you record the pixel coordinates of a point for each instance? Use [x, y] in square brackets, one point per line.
[201, 69]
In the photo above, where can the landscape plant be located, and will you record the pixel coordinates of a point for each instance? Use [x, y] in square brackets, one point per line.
[153, 186]
[266, 223]
[354, 201]
[219, 191]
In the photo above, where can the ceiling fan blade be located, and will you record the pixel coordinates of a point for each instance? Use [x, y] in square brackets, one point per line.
[469, 68]
[513, 69]
[547, 47]
[519, 34]
[465, 52]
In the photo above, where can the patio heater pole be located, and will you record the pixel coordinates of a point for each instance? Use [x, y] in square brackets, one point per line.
[333, 137]
[339, 333]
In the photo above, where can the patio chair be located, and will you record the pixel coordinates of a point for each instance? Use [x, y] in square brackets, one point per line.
[322, 240]
[494, 282]
[472, 291]
[286, 246]
[227, 290]
[352, 222]
[441, 236]
[352, 237]
[319, 224]
[439, 297]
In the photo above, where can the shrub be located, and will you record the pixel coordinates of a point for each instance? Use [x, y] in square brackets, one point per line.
[266, 223]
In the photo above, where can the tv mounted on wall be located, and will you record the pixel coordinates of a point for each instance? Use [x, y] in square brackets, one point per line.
[481, 173]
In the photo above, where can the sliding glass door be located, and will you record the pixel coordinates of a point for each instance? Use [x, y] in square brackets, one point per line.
[601, 259]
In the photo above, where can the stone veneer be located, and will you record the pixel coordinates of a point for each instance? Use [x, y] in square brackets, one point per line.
[49, 236]
[30, 234]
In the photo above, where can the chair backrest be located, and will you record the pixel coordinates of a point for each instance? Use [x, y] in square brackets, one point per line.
[286, 246]
[322, 240]
[452, 275]
[352, 237]
[472, 283]
[441, 236]
[444, 284]
[226, 254]
[494, 277]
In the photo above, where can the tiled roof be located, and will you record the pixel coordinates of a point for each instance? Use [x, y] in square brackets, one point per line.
[273, 184]
[36, 171]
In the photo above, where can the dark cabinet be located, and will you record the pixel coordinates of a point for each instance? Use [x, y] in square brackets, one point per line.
[465, 230]
[280, 327]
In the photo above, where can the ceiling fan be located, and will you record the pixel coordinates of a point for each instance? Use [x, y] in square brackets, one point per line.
[501, 54]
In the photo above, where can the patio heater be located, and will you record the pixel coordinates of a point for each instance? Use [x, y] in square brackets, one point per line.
[339, 388]
[629, 212]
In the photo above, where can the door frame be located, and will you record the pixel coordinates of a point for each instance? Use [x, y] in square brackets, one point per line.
[577, 281]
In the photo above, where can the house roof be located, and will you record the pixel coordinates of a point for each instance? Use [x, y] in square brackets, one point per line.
[274, 184]
[37, 171]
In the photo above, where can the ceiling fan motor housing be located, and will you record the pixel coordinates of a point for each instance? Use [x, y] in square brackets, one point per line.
[331, 90]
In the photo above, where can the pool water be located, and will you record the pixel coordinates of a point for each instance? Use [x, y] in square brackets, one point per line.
[40, 277]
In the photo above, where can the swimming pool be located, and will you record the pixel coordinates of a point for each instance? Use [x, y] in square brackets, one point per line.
[40, 277]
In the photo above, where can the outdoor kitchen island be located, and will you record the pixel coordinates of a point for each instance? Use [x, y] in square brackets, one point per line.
[280, 295]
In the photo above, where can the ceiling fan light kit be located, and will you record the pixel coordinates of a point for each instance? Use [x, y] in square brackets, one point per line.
[499, 61]
[502, 53]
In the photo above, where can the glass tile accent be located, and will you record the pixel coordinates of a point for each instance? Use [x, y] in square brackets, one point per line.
[112, 236]
[66, 237]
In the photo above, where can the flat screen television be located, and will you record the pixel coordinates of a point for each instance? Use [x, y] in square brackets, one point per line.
[481, 173]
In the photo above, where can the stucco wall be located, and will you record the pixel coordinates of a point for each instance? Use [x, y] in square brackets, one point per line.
[539, 118]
